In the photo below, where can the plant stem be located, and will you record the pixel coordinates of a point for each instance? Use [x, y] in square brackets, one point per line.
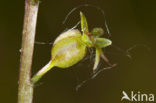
[25, 89]
[40, 73]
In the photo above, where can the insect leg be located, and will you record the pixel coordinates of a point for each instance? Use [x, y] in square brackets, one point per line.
[97, 60]
[106, 60]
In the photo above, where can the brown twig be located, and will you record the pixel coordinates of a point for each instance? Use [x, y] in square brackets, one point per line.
[25, 90]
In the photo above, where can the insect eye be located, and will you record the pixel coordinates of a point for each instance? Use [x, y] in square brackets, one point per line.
[97, 32]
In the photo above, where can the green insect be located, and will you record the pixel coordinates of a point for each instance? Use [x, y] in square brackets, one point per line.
[71, 47]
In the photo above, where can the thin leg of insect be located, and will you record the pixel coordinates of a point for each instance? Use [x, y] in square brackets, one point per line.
[123, 51]
[84, 5]
[107, 29]
[106, 60]
[76, 25]
[43, 43]
[92, 54]
[97, 60]
[96, 71]
[92, 77]
[89, 5]
[138, 45]
[126, 52]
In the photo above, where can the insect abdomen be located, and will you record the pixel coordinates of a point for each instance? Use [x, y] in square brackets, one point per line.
[68, 52]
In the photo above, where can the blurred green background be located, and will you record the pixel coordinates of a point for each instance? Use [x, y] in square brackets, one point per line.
[131, 22]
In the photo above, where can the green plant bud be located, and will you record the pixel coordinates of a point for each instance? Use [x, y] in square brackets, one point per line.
[97, 32]
[68, 52]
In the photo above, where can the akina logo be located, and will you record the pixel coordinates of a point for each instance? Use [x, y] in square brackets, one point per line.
[137, 96]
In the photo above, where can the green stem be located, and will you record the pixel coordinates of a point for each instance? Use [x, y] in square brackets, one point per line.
[25, 89]
[44, 70]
